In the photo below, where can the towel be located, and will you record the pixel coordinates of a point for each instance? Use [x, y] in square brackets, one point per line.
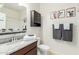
[56, 26]
[66, 26]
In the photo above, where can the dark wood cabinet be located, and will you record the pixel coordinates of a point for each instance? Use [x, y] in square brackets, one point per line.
[28, 50]
[35, 19]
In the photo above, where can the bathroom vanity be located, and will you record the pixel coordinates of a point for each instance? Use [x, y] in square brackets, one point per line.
[31, 49]
[21, 47]
[13, 43]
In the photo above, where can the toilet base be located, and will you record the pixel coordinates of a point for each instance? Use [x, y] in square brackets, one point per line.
[42, 53]
[43, 49]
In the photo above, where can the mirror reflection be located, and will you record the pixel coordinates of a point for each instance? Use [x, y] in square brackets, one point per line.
[12, 17]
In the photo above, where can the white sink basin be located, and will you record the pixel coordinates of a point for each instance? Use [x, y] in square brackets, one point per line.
[12, 44]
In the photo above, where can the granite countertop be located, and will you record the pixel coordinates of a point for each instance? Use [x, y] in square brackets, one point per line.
[8, 48]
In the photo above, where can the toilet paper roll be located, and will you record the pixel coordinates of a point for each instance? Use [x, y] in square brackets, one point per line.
[67, 26]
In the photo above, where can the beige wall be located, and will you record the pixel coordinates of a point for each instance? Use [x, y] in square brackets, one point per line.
[59, 46]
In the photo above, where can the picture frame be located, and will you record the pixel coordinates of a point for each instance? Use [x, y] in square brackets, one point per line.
[61, 13]
[51, 15]
[71, 12]
[54, 15]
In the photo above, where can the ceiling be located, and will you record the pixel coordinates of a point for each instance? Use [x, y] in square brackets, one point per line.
[14, 6]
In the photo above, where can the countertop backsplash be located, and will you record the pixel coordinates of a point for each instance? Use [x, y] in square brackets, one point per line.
[11, 37]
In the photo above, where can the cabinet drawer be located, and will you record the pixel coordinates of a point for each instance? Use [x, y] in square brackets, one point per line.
[25, 49]
[32, 52]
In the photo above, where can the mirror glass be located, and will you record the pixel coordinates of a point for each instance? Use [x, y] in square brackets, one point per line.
[12, 17]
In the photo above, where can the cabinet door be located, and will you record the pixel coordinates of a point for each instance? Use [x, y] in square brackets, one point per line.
[32, 52]
[26, 49]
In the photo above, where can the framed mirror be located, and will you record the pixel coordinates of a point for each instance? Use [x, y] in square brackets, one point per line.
[12, 17]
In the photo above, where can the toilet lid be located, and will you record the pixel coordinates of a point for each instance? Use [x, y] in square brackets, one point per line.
[44, 47]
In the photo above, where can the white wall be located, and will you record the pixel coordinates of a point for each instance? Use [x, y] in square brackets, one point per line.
[32, 30]
[59, 46]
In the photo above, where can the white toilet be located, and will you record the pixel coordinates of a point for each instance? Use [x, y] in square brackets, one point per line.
[42, 48]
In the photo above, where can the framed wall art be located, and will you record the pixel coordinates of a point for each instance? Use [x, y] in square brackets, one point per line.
[51, 15]
[61, 14]
[54, 15]
[71, 12]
